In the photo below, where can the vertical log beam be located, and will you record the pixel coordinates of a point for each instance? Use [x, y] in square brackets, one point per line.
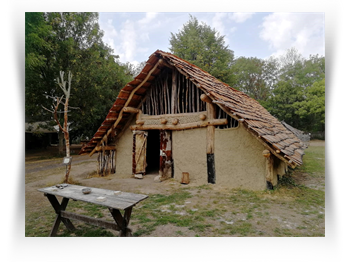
[210, 139]
[210, 129]
[173, 91]
[269, 169]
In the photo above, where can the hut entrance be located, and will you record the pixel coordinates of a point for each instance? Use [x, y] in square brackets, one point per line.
[152, 155]
[166, 167]
[159, 153]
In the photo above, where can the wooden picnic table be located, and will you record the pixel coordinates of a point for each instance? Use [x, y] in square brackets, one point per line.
[113, 200]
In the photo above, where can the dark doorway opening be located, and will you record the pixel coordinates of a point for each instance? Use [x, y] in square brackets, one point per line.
[152, 154]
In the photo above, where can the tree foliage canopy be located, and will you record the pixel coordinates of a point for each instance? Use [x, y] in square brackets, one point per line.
[312, 109]
[70, 42]
[295, 99]
[204, 47]
[290, 86]
[283, 85]
[255, 77]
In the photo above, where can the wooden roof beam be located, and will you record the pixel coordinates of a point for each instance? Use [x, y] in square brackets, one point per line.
[125, 105]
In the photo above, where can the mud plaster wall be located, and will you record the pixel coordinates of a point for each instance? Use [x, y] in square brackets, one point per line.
[124, 153]
[238, 157]
[189, 154]
[239, 162]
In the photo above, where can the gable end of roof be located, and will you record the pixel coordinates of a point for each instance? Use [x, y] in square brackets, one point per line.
[255, 118]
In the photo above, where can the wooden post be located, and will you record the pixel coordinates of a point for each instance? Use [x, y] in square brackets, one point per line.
[210, 129]
[131, 110]
[269, 169]
[210, 139]
[173, 92]
[206, 98]
[166, 155]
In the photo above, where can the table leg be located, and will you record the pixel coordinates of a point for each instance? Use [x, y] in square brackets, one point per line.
[58, 208]
[122, 221]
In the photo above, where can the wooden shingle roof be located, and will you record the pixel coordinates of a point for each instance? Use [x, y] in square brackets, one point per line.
[255, 118]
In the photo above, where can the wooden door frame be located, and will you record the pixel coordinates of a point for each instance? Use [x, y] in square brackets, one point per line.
[166, 152]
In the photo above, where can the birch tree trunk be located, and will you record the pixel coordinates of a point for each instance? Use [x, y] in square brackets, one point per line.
[65, 129]
[60, 142]
[66, 135]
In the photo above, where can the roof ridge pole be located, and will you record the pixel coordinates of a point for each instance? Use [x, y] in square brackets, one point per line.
[126, 104]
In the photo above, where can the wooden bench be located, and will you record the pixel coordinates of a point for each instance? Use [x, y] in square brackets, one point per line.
[113, 200]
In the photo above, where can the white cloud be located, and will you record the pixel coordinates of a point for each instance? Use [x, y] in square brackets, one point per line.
[135, 63]
[233, 29]
[148, 18]
[240, 17]
[128, 38]
[109, 32]
[218, 22]
[305, 32]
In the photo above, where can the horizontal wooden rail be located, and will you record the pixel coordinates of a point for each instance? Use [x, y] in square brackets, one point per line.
[91, 220]
[213, 122]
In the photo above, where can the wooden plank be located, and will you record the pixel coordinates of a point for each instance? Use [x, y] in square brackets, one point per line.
[122, 222]
[139, 152]
[58, 209]
[120, 201]
[91, 220]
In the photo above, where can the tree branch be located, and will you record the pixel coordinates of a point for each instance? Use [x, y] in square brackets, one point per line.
[69, 81]
[51, 111]
[56, 117]
[55, 97]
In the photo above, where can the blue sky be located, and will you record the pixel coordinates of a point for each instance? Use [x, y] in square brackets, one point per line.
[135, 36]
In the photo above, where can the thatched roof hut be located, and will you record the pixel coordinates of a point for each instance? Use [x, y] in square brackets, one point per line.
[182, 104]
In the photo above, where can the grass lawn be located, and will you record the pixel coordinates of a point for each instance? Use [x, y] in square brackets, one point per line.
[296, 207]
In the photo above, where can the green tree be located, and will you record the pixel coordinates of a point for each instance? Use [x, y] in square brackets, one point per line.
[255, 77]
[37, 41]
[204, 47]
[281, 103]
[292, 97]
[301, 71]
[312, 109]
[71, 42]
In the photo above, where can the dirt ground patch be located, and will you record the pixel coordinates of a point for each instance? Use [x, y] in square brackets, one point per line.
[177, 210]
[317, 143]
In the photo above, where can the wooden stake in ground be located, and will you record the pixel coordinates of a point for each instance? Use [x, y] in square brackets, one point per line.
[62, 84]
